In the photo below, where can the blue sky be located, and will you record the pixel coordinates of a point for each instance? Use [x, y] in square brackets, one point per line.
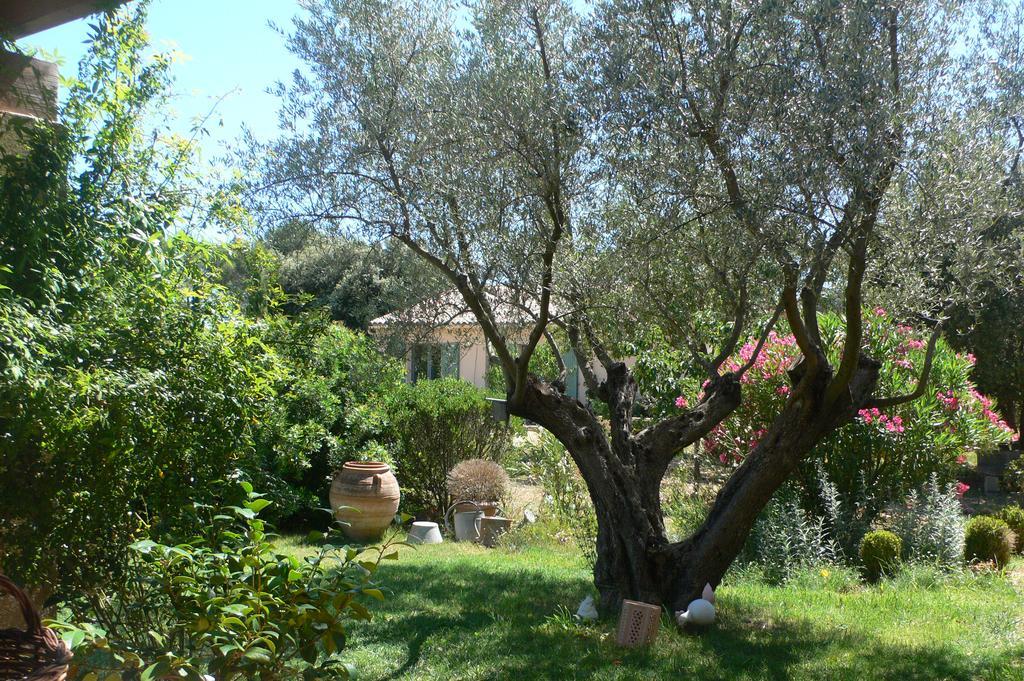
[228, 49]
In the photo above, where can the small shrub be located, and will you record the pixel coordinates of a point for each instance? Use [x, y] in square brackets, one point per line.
[477, 480]
[1014, 517]
[786, 540]
[227, 604]
[435, 425]
[988, 539]
[880, 552]
[1013, 476]
[931, 525]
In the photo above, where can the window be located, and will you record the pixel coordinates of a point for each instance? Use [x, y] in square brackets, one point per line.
[428, 361]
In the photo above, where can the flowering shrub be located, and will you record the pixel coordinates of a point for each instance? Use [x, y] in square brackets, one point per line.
[888, 452]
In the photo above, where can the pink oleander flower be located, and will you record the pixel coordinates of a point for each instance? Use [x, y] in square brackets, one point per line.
[971, 358]
[961, 460]
[961, 489]
[723, 457]
[880, 311]
[904, 363]
[783, 390]
[681, 402]
[950, 402]
[915, 344]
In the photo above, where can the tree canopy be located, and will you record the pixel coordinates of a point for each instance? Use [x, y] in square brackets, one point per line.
[692, 171]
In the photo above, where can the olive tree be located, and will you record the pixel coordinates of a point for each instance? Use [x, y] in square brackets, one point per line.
[712, 168]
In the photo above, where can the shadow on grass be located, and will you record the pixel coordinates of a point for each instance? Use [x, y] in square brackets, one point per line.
[484, 620]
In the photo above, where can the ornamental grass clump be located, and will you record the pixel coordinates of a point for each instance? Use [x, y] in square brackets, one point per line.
[880, 552]
[988, 539]
[477, 480]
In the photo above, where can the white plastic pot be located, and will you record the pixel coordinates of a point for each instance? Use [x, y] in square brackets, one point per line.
[423, 532]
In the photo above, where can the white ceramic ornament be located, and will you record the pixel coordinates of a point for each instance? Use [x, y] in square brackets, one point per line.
[700, 612]
[708, 594]
[587, 610]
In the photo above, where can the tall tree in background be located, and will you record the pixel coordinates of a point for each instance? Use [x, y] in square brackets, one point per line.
[708, 167]
[992, 329]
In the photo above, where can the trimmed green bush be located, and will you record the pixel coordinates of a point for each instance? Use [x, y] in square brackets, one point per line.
[880, 552]
[1014, 517]
[434, 425]
[988, 539]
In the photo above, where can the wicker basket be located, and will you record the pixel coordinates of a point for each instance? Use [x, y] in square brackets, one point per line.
[36, 654]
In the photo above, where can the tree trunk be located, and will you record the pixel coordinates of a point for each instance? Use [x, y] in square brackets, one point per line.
[635, 560]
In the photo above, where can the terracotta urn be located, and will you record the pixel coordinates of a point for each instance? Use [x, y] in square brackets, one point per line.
[364, 497]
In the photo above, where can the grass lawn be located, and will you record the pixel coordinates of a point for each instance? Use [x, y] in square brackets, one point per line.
[457, 611]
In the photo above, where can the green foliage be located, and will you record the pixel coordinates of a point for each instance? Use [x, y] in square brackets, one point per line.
[1013, 476]
[353, 281]
[988, 539]
[434, 425]
[880, 552]
[129, 381]
[327, 410]
[226, 603]
[930, 524]
[684, 503]
[1013, 516]
[566, 498]
[787, 540]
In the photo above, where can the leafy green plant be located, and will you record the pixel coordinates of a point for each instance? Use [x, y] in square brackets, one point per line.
[434, 425]
[1013, 476]
[786, 540]
[226, 603]
[129, 380]
[880, 552]
[326, 411]
[1014, 517]
[930, 524]
[988, 539]
[566, 498]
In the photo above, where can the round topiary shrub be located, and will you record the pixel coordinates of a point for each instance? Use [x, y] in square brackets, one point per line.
[1014, 517]
[880, 552]
[988, 539]
[1013, 477]
[477, 480]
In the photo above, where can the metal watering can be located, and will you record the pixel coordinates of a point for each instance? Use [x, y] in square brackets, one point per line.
[466, 523]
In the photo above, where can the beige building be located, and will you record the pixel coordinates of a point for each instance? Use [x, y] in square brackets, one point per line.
[440, 337]
[28, 86]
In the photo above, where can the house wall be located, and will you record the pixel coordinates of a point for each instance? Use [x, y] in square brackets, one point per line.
[473, 361]
[28, 92]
